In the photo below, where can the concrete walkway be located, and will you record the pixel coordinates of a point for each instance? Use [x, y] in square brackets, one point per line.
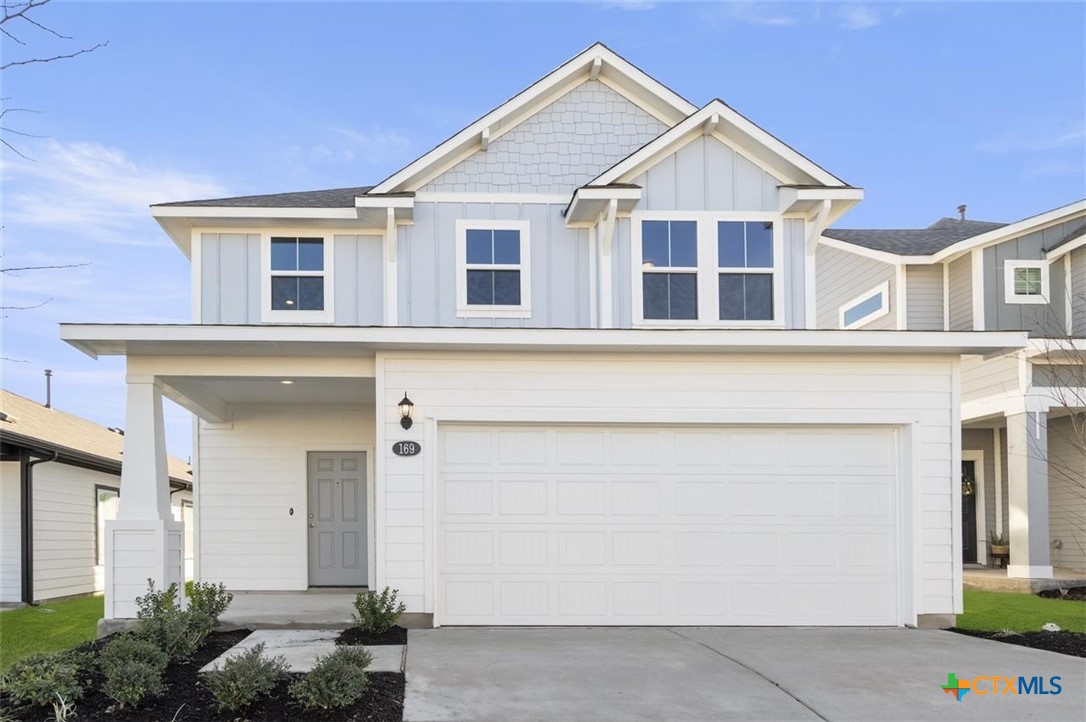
[312, 609]
[723, 674]
[301, 648]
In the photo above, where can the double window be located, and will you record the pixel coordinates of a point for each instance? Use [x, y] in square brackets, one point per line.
[706, 270]
[1025, 282]
[493, 269]
[297, 279]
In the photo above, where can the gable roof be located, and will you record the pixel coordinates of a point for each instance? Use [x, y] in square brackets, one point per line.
[1074, 235]
[331, 198]
[71, 436]
[595, 62]
[913, 241]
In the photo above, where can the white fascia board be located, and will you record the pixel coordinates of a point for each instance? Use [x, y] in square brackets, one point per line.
[502, 118]
[588, 203]
[1026, 225]
[219, 212]
[164, 339]
[384, 202]
[1067, 247]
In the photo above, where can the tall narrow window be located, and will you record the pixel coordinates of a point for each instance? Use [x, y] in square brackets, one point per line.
[297, 274]
[106, 500]
[669, 269]
[493, 269]
[745, 270]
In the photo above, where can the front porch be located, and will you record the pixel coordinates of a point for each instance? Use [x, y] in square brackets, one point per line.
[997, 580]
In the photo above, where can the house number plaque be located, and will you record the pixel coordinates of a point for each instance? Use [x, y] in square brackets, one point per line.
[406, 448]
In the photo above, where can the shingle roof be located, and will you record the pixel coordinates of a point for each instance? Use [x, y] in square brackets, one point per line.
[914, 241]
[1075, 233]
[63, 431]
[331, 198]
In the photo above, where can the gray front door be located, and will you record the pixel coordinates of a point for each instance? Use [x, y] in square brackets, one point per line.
[337, 519]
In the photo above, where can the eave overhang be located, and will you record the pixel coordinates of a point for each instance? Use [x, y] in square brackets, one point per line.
[589, 202]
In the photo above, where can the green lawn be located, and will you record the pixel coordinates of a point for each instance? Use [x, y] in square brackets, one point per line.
[995, 611]
[49, 627]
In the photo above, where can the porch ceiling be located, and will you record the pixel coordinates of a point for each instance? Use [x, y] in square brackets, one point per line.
[210, 397]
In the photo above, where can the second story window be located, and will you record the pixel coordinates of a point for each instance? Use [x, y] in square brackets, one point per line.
[1025, 282]
[745, 268]
[669, 269]
[493, 269]
[297, 283]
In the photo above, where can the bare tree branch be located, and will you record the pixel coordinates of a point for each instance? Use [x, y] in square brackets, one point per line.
[54, 58]
[16, 269]
[26, 308]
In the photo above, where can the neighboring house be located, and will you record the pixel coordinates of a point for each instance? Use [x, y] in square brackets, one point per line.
[1024, 433]
[60, 482]
[600, 300]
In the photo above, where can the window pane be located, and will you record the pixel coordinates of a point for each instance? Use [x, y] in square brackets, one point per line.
[731, 297]
[310, 254]
[684, 295]
[654, 293]
[507, 288]
[1027, 281]
[862, 309]
[684, 244]
[107, 501]
[759, 245]
[284, 254]
[759, 296]
[746, 296]
[311, 293]
[284, 291]
[480, 246]
[654, 243]
[480, 288]
[506, 246]
[729, 241]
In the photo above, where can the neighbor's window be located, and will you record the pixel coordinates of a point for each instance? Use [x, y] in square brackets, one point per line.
[745, 270]
[866, 307]
[669, 270]
[1026, 282]
[297, 274]
[106, 500]
[493, 269]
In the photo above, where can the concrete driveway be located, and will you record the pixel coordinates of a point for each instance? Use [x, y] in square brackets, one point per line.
[723, 673]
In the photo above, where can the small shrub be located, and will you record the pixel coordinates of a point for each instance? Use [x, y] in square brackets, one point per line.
[177, 633]
[244, 678]
[210, 599]
[335, 682]
[132, 668]
[41, 679]
[377, 613]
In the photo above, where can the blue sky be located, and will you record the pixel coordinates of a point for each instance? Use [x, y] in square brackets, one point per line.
[925, 105]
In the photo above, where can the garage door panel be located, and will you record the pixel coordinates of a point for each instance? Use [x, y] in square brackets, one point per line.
[601, 525]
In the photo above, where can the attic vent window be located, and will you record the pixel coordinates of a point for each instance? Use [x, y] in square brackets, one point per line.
[1026, 282]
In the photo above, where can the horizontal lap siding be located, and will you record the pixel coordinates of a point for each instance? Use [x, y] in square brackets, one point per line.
[842, 276]
[251, 475]
[10, 537]
[924, 302]
[984, 378]
[960, 294]
[1078, 292]
[674, 389]
[1067, 495]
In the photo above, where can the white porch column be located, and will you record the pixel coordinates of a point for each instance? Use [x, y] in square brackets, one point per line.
[1027, 495]
[144, 542]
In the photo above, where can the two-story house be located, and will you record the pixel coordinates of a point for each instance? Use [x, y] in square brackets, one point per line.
[565, 368]
[1024, 429]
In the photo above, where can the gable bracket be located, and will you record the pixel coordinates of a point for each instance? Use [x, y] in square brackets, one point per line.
[484, 138]
[711, 124]
[594, 72]
[818, 224]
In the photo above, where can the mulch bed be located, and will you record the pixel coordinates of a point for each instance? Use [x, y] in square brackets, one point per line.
[354, 635]
[1075, 594]
[187, 699]
[1070, 643]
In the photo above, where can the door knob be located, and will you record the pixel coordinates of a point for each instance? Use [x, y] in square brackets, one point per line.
[312, 525]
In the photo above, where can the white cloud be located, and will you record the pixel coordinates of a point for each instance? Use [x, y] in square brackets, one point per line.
[630, 5]
[1036, 139]
[756, 13]
[857, 16]
[1049, 169]
[345, 145]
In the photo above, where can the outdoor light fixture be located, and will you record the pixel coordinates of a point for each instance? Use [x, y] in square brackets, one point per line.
[286, 382]
[405, 411]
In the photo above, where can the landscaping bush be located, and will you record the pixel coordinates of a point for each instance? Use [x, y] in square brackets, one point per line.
[132, 668]
[335, 682]
[210, 599]
[244, 678]
[377, 613]
[178, 633]
[42, 678]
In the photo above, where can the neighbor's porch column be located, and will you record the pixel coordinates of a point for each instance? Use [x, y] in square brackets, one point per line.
[144, 542]
[1027, 495]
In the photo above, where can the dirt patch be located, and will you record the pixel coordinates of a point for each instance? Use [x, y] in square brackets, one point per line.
[1075, 594]
[1070, 643]
[354, 635]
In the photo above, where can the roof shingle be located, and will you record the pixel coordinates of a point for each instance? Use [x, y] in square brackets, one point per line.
[913, 241]
[330, 198]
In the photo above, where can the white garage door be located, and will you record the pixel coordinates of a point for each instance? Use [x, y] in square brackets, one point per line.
[672, 526]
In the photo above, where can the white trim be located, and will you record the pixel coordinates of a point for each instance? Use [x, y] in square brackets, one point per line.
[391, 275]
[977, 457]
[524, 308]
[608, 228]
[1065, 250]
[593, 280]
[883, 289]
[901, 296]
[196, 276]
[946, 296]
[1009, 294]
[196, 488]
[977, 287]
[346, 214]
[384, 202]
[956, 480]
[1068, 297]
[327, 314]
[371, 512]
[874, 255]
[1026, 225]
[453, 197]
[708, 269]
[997, 472]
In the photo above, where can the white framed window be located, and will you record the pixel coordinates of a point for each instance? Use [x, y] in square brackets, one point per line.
[297, 279]
[1025, 281]
[866, 307]
[493, 269]
[707, 269]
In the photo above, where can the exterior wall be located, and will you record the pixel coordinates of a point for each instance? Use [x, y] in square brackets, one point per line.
[427, 266]
[251, 473]
[960, 293]
[1038, 319]
[924, 297]
[632, 388]
[841, 276]
[10, 539]
[982, 440]
[563, 146]
[1078, 292]
[1067, 484]
[993, 377]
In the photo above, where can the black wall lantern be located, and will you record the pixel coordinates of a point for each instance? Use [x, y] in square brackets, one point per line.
[405, 411]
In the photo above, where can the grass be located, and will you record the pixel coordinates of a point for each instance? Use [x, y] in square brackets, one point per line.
[50, 627]
[996, 611]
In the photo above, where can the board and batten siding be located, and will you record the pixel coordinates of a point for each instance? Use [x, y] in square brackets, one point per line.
[230, 278]
[10, 537]
[251, 473]
[1067, 508]
[841, 276]
[655, 389]
[924, 297]
[960, 293]
[1078, 292]
[563, 146]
